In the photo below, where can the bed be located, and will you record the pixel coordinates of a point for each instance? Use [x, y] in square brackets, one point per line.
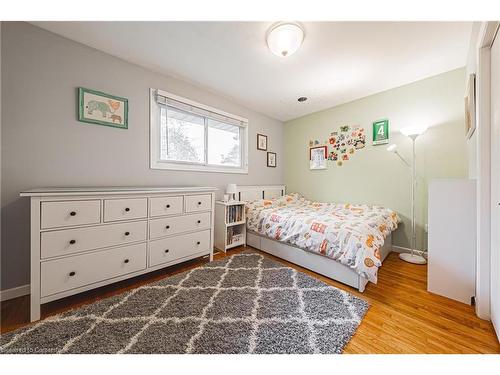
[342, 241]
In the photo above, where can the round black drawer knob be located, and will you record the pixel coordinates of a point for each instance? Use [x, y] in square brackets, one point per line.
[72, 273]
[72, 213]
[168, 206]
[198, 242]
[166, 251]
[127, 233]
[126, 261]
[199, 203]
[127, 209]
[199, 221]
[72, 242]
[168, 227]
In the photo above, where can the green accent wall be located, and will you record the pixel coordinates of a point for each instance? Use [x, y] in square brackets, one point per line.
[374, 175]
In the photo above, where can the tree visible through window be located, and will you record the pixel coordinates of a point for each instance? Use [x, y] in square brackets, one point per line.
[183, 139]
[191, 136]
[182, 136]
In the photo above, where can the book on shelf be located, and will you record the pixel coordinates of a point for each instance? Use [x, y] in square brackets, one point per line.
[233, 236]
[234, 214]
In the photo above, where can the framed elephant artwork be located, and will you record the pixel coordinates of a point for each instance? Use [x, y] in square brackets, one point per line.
[96, 107]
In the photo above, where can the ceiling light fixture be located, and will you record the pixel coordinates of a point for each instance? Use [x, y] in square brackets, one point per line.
[284, 39]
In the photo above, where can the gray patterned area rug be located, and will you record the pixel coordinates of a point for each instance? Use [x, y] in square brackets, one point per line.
[246, 303]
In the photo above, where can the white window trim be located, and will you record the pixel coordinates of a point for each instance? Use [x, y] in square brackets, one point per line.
[155, 160]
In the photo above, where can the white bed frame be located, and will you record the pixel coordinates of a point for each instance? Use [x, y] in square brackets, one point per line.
[312, 261]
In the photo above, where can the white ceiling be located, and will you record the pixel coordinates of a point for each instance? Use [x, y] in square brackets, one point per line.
[337, 63]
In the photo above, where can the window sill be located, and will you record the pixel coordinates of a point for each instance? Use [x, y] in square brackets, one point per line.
[197, 168]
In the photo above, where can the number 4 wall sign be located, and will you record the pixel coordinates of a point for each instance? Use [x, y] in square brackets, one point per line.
[381, 132]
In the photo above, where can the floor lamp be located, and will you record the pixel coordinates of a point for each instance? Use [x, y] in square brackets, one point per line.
[412, 132]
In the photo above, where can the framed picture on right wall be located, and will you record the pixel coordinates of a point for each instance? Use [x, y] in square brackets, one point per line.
[470, 106]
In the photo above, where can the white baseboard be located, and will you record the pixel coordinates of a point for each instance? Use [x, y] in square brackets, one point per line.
[14, 292]
[401, 249]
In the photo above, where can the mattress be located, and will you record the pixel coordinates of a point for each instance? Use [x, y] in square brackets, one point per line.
[350, 234]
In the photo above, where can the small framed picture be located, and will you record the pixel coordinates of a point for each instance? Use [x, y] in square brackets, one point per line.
[470, 112]
[262, 142]
[317, 157]
[380, 132]
[271, 159]
[96, 107]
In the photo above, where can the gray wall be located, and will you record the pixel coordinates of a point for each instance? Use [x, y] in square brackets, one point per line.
[44, 145]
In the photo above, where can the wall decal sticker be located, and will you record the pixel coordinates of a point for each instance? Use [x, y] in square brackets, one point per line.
[340, 147]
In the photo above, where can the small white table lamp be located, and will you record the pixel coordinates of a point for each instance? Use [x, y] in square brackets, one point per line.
[412, 132]
[231, 190]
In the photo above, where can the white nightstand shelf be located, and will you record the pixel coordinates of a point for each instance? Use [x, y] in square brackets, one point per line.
[230, 225]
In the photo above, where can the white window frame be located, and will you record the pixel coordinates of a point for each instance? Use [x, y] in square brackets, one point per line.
[155, 140]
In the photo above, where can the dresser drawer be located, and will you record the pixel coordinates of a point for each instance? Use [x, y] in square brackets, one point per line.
[196, 203]
[170, 249]
[73, 272]
[174, 225]
[161, 206]
[69, 213]
[125, 209]
[69, 241]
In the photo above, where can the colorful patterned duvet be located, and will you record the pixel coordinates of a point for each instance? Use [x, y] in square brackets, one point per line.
[349, 234]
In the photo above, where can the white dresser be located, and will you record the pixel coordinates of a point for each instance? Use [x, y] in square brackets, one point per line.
[84, 238]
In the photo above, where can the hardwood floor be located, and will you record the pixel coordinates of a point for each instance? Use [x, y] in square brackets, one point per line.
[403, 316]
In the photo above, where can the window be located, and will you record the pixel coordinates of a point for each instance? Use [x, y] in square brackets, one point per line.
[190, 136]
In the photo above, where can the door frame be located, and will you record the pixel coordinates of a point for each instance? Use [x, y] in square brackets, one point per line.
[495, 199]
[482, 50]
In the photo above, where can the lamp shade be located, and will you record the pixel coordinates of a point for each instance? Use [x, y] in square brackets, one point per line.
[392, 148]
[231, 189]
[414, 130]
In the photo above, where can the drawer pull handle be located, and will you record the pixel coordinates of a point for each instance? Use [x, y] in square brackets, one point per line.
[126, 261]
[166, 251]
[127, 209]
[168, 206]
[199, 221]
[198, 242]
[72, 213]
[72, 273]
[72, 242]
[167, 227]
[199, 203]
[127, 233]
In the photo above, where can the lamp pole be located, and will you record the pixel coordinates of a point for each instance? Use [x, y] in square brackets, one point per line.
[413, 192]
[412, 257]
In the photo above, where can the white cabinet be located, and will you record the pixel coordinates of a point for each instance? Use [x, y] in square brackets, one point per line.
[84, 238]
[230, 225]
[452, 239]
